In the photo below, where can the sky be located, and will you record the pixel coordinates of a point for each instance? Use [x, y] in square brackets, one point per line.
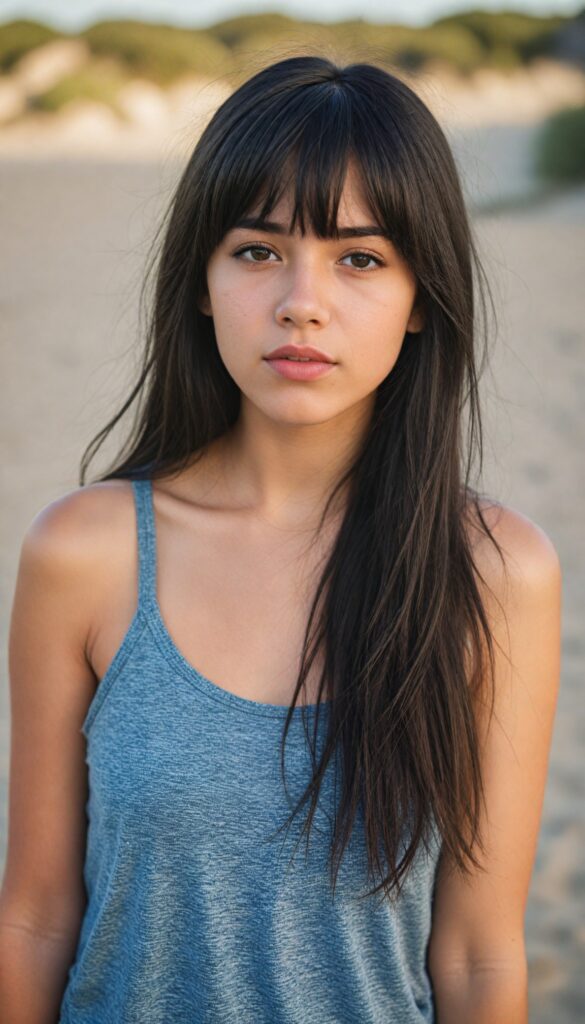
[71, 15]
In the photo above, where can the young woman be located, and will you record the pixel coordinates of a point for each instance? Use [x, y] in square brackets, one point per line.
[286, 596]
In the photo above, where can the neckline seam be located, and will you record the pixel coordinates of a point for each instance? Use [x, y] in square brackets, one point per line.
[206, 687]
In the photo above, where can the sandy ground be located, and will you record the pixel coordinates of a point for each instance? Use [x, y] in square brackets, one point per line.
[75, 234]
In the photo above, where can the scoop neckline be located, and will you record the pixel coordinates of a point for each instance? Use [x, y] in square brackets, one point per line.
[189, 671]
[214, 690]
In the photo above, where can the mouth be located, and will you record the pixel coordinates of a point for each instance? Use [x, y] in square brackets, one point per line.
[299, 354]
[298, 359]
[294, 369]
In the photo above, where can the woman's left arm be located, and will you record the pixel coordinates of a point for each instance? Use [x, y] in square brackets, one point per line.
[477, 957]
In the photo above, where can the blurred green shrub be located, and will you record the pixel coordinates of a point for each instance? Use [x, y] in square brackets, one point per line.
[255, 49]
[412, 49]
[234, 31]
[507, 38]
[100, 81]
[18, 37]
[559, 150]
[161, 53]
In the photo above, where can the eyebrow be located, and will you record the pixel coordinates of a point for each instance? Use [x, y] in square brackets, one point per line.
[359, 231]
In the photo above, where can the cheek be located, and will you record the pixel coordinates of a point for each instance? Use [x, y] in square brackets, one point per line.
[229, 301]
[234, 325]
[377, 335]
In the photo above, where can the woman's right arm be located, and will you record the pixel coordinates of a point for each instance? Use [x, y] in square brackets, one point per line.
[42, 899]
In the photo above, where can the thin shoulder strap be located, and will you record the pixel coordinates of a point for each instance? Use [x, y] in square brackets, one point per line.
[146, 529]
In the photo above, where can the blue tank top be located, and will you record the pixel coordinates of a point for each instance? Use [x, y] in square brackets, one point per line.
[198, 912]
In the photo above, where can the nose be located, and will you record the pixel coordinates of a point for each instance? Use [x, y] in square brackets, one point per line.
[303, 301]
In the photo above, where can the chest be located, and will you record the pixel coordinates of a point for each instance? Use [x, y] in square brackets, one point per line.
[235, 604]
[240, 618]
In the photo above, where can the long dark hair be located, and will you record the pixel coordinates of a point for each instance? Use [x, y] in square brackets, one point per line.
[398, 611]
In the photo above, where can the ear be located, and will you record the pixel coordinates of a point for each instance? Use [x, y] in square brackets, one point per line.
[203, 300]
[204, 305]
[416, 321]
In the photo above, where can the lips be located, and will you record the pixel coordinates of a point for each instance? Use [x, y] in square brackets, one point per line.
[305, 352]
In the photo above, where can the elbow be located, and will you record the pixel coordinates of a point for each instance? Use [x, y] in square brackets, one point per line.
[493, 990]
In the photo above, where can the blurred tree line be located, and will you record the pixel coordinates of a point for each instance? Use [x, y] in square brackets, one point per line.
[164, 53]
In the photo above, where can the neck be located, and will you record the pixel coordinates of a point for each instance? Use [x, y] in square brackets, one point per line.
[283, 472]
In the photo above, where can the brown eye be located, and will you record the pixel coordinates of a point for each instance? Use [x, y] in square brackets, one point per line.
[366, 256]
[255, 249]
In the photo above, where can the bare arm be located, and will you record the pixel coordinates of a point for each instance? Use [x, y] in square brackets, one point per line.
[33, 973]
[43, 898]
[477, 957]
[483, 996]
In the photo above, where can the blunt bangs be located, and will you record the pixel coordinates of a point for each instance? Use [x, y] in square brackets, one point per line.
[304, 138]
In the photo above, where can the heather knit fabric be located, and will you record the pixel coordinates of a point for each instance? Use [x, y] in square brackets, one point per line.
[199, 911]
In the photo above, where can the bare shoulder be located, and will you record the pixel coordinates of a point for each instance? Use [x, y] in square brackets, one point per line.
[72, 524]
[67, 555]
[523, 554]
